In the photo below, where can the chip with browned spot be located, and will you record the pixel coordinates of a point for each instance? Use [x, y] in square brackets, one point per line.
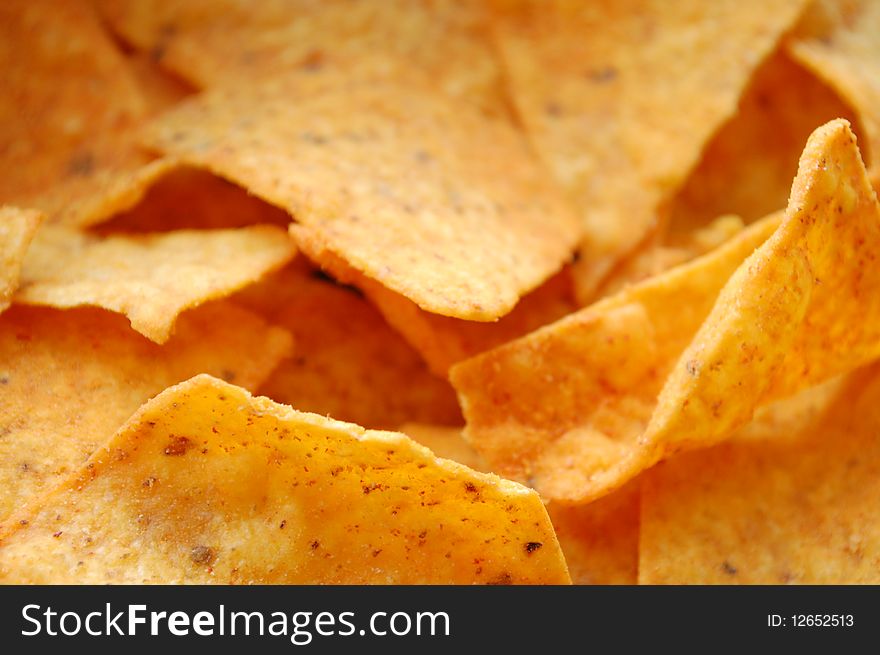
[348, 364]
[69, 379]
[790, 499]
[799, 310]
[17, 229]
[406, 189]
[300, 499]
[150, 278]
[620, 98]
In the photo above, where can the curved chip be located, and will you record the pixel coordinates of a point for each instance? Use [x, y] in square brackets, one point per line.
[790, 499]
[69, 379]
[801, 309]
[149, 278]
[17, 229]
[620, 98]
[209, 484]
[406, 189]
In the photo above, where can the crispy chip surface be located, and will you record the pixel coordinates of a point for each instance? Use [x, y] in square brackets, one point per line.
[209, 484]
[791, 499]
[17, 229]
[406, 190]
[70, 379]
[149, 278]
[348, 363]
[622, 116]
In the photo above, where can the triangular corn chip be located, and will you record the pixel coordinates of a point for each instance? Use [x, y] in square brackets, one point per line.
[69, 379]
[149, 278]
[791, 499]
[407, 189]
[17, 228]
[801, 309]
[206, 483]
[620, 98]
[348, 364]
[839, 40]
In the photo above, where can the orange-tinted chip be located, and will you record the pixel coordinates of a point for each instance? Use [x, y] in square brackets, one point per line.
[275, 496]
[17, 228]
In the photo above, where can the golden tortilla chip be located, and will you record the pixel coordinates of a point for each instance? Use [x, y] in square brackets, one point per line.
[407, 189]
[748, 166]
[791, 499]
[348, 364]
[17, 229]
[68, 106]
[595, 373]
[620, 98]
[442, 340]
[149, 278]
[801, 309]
[227, 43]
[599, 540]
[839, 40]
[192, 199]
[69, 379]
[159, 88]
[209, 484]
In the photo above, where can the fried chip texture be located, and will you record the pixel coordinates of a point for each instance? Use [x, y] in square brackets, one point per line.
[791, 499]
[17, 229]
[839, 40]
[348, 364]
[407, 189]
[149, 278]
[621, 116]
[69, 379]
[206, 483]
[230, 43]
[799, 310]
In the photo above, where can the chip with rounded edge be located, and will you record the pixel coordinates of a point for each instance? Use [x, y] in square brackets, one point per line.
[17, 229]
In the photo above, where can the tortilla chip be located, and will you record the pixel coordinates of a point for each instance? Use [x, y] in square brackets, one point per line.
[599, 540]
[149, 278]
[348, 363]
[193, 199]
[406, 189]
[17, 229]
[801, 309]
[748, 166]
[596, 372]
[442, 340]
[839, 40]
[68, 107]
[69, 379]
[160, 89]
[621, 116]
[227, 43]
[792, 498]
[303, 499]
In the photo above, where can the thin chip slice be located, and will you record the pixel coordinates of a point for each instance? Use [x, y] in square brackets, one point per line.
[406, 189]
[442, 340]
[596, 372]
[622, 115]
[209, 484]
[748, 166]
[17, 229]
[800, 310]
[149, 278]
[599, 540]
[69, 379]
[348, 364]
[230, 43]
[791, 499]
[840, 41]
